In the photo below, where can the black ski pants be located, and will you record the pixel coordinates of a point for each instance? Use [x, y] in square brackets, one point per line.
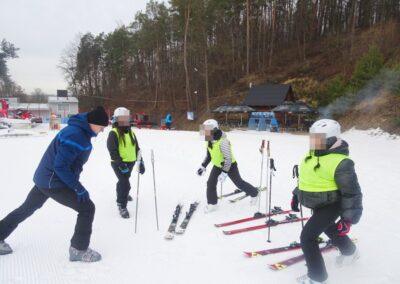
[235, 177]
[322, 221]
[123, 184]
[35, 200]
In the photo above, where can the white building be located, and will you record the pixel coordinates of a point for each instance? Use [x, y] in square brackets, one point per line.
[37, 110]
[63, 107]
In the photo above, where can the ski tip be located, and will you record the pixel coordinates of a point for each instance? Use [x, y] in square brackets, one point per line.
[169, 237]
[249, 254]
[227, 232]
[277, 266]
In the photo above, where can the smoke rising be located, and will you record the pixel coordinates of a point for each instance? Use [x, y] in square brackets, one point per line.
[387, 80]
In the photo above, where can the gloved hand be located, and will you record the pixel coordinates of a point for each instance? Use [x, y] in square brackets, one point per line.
[82, 195]
[222, 177]
[141, 167]
[343, 227]
[201, 171]
[294, 204]
[123, 168]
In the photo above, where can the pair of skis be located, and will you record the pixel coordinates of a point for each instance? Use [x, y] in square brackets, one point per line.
[291, 218]
[275, 211]
[239, 198]
[290, 261]
[293, 260]
[172, 230]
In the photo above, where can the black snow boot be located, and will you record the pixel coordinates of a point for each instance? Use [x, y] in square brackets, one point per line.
[123, 212]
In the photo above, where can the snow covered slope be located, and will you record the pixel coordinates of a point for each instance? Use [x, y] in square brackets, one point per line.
[203, 254]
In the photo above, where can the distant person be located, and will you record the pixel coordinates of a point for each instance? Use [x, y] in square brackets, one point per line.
[328, 185]
[57, 177]
[124, 151]
[274, 125]
[219, 153]
[168, 121]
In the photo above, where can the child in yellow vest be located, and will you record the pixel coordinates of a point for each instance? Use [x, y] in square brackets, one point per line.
[219, 153]
[328, 185]
[124, 151]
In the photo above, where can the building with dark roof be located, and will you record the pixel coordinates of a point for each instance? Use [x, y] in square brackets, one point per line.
[266, 97]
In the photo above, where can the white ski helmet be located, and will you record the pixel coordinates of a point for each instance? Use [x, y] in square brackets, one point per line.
[329, 127]
[211, 123]
[121, 111]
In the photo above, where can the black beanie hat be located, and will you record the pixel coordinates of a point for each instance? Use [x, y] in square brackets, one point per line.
[98, 116]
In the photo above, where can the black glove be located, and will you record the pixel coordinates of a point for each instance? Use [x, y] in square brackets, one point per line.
[123, 168]
[141, 167]
[82, 195]
[294, 204]
[201, 171]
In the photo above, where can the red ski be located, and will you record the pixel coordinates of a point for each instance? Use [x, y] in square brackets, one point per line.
[255, 217]
[292, 246]
[288, 262]
[264, 226]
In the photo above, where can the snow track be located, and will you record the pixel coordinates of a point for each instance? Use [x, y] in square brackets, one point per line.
[203, 254]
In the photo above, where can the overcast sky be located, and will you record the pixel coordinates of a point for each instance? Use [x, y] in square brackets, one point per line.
[42, 29]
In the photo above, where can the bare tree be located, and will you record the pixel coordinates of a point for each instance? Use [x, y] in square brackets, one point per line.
[185, 57]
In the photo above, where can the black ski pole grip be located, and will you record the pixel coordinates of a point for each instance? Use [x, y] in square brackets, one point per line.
[262, 146]
[295, 171]
[272, 164]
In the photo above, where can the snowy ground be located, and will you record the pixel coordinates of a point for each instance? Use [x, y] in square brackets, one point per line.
[17, 123]
[203, 254]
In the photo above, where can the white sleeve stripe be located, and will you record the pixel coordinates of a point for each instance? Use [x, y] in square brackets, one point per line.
[226, 152]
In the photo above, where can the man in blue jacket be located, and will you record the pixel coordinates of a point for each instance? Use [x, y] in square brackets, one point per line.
[168, 121]
[57, 177]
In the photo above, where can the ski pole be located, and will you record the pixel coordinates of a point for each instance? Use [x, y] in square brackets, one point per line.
[137, 200]
[267, 178]
[272, 170]
[154, 183]
[221, 191]
[262, 161]
[261, 173]
[139, 160]
[296, 175]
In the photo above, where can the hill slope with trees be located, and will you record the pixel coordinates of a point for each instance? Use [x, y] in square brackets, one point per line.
[191, 55]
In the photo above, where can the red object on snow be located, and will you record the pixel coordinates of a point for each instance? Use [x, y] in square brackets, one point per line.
[22, 114]
[4, 108]
[141, 120]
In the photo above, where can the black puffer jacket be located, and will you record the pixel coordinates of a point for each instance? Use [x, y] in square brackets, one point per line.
[349, 193]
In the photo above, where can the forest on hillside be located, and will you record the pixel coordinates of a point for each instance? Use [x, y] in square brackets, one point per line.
[8, 87]
[181, 54]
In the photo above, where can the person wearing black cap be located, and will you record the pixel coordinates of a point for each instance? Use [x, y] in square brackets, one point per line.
[57, 177]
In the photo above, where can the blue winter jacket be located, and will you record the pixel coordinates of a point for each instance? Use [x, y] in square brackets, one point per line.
[62, 163]
[168, 118]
